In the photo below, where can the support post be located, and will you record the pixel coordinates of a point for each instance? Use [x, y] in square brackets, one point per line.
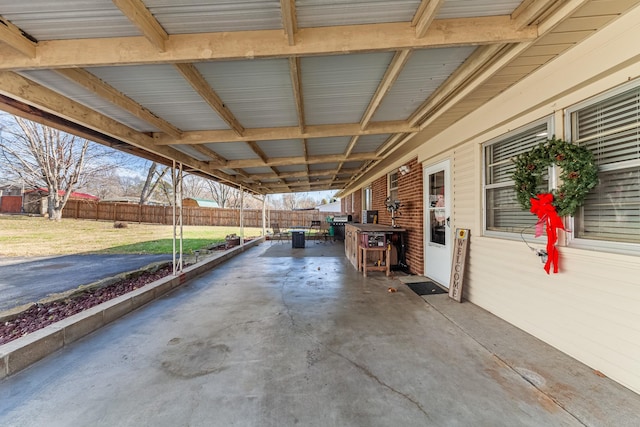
[176, 180]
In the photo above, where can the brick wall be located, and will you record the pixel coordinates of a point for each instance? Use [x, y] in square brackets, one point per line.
[410, 190]
[352, 205]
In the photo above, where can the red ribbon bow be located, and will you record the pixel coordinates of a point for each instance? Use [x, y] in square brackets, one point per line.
[546, 212]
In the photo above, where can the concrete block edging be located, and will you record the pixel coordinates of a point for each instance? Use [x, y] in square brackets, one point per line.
[24, 351]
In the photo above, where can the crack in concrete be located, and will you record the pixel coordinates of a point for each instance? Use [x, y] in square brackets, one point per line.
[371, 375]
[358, 366]
[284, 302]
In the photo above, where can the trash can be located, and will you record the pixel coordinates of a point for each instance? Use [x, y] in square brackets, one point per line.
[297, 238]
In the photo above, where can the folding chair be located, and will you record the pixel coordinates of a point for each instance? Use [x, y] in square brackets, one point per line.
[315, 225]
[278, 234]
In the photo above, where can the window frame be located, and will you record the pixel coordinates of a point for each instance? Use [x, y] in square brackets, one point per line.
[390, 181]
[526, 234]
[612, 246]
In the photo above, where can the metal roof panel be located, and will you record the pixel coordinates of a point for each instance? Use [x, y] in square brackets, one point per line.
[338, 89]
[467, 8]
[79, 94]
[424, 72]
[282, 148]
[189, 16]
[233, 150]
[369, 143]
[319, 13]
[162, 90]
[325, 146]
[259, 93]
[68, 19]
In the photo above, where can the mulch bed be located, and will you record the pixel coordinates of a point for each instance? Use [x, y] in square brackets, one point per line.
[40, 315]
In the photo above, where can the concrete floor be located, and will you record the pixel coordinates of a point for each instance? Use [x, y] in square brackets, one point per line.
[272, 338]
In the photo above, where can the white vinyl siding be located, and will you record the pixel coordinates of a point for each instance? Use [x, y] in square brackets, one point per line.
[502, 211]
[610, 127]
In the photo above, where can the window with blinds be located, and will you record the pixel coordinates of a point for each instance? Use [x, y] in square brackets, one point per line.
[502, 211]
[610, 127]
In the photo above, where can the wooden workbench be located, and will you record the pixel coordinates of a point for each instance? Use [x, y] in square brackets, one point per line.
[358, 254]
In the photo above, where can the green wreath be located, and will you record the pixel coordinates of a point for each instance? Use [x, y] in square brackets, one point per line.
[579, 174]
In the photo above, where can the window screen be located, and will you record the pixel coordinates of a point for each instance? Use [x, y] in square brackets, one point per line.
[610, 128]
[503, 213]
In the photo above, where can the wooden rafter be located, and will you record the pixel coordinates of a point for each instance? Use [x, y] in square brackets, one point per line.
[289, 132]
[187, 48]
[111, 94]
[256, 149]
[296, 160]
[392, 141]
[425, 16]
[30, 92]
[140, 16]
[198, 82]
[393, 71]
[263, 156]
[301, 174]
[529, 10]
[15, 38]
[218, 159]
[288, 11]
[319, 183]
[296, 82]
[463, 76]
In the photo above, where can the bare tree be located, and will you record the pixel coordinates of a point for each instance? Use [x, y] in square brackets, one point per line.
[224, 195]
[195, 186]
[40, 156]
[154, 179]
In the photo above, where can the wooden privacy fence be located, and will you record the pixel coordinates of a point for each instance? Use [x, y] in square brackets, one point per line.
[129, 212]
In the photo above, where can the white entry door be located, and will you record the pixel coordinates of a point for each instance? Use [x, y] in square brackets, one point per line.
[437, 235]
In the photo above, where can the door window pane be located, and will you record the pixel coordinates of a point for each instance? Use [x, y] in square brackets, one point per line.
[437, 207]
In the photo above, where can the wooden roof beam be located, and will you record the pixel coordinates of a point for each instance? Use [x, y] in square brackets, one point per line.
[290, 132]
[140, 16]
[301, 174]
[202, 87]
[288, 161]
[17, 39]
[338, 40]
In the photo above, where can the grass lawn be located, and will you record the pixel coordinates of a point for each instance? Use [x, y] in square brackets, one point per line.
[35, 236]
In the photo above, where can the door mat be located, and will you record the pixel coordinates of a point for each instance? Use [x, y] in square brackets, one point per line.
[426, 288]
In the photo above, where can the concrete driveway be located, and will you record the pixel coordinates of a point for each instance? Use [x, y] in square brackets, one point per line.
[27, 280]
[268, 339]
